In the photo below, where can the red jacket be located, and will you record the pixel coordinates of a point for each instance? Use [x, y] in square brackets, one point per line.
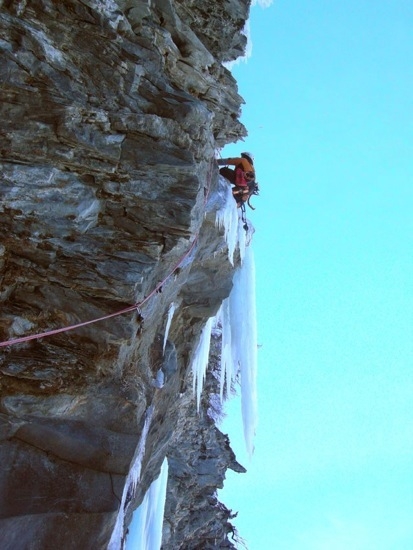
[242, 166]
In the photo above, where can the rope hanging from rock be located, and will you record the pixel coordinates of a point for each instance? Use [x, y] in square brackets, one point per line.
[128, 309]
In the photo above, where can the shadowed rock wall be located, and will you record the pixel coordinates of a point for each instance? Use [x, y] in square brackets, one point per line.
[111, 113]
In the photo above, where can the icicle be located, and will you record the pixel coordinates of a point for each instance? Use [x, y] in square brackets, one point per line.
[227, 217]
[239, 343]
[227, 369]
[244, 342]
[171, 312]
[200, 360]
[132, 480]
[145, 529]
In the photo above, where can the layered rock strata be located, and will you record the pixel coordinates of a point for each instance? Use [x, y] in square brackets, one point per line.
[111, 114]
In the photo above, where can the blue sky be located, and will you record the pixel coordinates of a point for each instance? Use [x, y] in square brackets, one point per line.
[329, 111]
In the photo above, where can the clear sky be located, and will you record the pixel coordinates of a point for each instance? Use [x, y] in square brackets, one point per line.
[329, 110]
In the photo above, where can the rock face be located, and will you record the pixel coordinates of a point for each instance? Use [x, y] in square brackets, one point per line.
[111, 114]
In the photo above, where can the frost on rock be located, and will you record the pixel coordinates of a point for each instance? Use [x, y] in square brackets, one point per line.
[145, 530]
[134, 475]
[239, 344]
[200, 360]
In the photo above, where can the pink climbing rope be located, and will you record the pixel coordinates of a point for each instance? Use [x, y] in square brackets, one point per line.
[65, 329]
[128, 309]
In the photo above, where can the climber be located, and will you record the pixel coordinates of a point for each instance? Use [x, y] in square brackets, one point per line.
[244, 171]
[242, 177]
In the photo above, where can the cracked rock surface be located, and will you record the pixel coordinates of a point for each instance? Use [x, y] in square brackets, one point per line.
[111, 115]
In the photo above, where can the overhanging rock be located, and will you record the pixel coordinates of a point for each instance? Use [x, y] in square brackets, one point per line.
[111, 115]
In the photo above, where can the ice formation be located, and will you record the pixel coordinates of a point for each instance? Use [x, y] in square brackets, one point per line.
[239, 344]
[134, 475]
[200, 359]
[145, 530]
[171, 312]
[228, 218]
[228, 373]
[238, 357]
[238, 319]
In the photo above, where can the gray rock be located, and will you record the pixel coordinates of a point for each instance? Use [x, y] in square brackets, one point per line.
[111, 114]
